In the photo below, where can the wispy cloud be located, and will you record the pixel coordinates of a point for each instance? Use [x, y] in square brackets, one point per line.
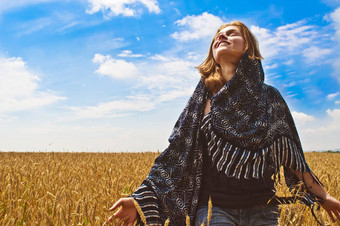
[114, 68]
[112, 8]
[128, 53]
[54, 23]
[197, 27]
[19, 87]
[333, 95]
[160, 78]
[6, 118]
[290, 38]
[104, 41]
[165, 77]
[116, 108]
[10, 5]
[315, 54]
[34, 26]
[335, 18]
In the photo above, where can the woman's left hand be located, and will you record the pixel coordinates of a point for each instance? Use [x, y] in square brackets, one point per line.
[332, 207]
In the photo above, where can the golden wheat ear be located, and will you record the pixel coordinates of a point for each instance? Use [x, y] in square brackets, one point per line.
[209, 210]
[167, 222]
[187, 220]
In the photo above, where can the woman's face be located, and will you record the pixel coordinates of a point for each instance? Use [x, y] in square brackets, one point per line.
[228, 44]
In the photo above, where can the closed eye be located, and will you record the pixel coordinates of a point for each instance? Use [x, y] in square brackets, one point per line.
[232, 32]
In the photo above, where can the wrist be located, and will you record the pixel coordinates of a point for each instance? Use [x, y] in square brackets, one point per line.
[323, 198]
[327, 196]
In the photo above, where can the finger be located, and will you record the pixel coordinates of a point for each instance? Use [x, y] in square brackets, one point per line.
[119, 214]
[117, 204]
[331, 215]
[110, 219]
[128, 222]
[336, 213]
[123, 221]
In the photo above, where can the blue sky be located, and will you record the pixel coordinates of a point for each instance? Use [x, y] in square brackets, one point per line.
[114, 75]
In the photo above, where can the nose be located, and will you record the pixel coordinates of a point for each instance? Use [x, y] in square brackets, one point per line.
[222, 37]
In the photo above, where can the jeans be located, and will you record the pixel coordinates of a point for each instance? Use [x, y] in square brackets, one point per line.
[254, 216]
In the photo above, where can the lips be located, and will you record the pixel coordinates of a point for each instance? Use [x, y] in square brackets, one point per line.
[219, 43]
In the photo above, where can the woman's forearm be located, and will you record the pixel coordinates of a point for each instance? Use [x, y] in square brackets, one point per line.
[312, 185]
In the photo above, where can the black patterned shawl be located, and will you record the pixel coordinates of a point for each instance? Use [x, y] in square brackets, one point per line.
[248, 114]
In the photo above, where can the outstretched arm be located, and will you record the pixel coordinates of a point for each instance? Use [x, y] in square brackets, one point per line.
[329, 203]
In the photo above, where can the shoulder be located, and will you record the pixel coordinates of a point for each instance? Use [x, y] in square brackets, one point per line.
[275, 100]
[271, 89]
[272, 92]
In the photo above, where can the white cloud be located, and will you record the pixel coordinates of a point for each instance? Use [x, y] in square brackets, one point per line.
[121, 7]
[332, 95]
[314, 53]
[336, 66]
[318, 133]
[290, 38]
[152, 5]
[175, 93]
[166, 75]
[322, 133]
[114, 68]
[161, 78]
[273, 66]
[157, 73]
[128, 53]
[85, 137]
[335, 17]
[289, 62]
[197, 27]
[5, 118]
[19, 88]
[117, 108]
[301, 118]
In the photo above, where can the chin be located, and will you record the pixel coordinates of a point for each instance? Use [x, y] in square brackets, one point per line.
[225, 56]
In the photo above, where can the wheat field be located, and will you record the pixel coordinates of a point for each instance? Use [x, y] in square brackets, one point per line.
[78, 188]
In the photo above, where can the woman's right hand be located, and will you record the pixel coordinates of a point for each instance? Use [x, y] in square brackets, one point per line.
[127, 210]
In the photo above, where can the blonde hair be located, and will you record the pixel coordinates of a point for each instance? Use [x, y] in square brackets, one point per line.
[210, 70]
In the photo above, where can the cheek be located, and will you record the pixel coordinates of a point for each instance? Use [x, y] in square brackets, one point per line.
[215, 55]
[239, 44]
[242, 44]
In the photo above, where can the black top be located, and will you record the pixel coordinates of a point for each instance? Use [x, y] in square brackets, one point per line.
[231, 192]
[226, 191]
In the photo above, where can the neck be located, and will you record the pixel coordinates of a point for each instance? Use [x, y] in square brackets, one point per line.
[228, 70]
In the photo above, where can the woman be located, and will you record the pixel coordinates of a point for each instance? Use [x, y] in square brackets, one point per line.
[234, 134]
